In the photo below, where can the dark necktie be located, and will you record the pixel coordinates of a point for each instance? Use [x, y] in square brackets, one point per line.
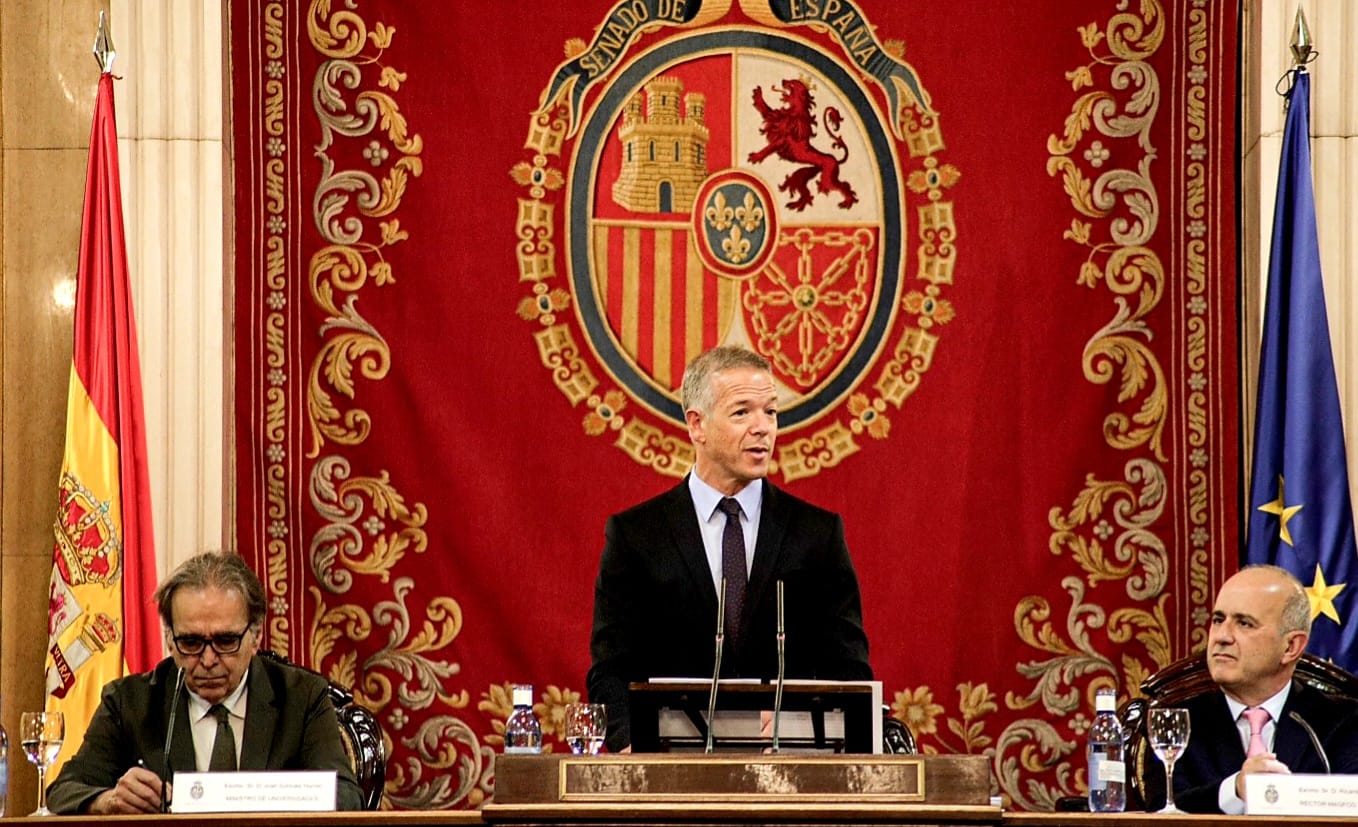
[224, 748]
[733, 565]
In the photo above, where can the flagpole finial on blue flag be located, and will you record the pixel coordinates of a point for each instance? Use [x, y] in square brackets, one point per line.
[1303, 48]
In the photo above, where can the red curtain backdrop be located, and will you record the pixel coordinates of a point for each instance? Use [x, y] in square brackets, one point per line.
[475, 242]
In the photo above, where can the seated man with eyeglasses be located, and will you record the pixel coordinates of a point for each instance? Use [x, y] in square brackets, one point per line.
[230, 709]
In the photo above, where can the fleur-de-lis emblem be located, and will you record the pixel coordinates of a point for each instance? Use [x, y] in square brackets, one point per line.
[736, 222]
[735, 245]
[719, 215]
[750, 214]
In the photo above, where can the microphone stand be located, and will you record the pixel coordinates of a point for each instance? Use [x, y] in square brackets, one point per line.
[778, 690]
[169, 738]
[1315, 741]
[716, 664]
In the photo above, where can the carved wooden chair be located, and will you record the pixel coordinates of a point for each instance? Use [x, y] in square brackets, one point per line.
[1178, 682]
[897, 739]
[361, 736]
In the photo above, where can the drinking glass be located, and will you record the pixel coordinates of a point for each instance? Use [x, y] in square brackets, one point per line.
[41, 734]
[1169, 738]
[586, 725]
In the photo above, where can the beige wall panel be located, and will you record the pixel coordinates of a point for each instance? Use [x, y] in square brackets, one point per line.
[21, 664]
[173, 196]
[49, 72]
[1338, 226]
[43, 190]
[1332, 26]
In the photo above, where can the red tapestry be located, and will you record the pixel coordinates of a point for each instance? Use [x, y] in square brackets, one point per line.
[990, 254]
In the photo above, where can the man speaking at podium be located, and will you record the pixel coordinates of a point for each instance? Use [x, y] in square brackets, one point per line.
[229, 709]
[656, 596]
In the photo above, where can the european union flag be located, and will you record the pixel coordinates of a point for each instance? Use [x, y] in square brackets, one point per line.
[1300, 517]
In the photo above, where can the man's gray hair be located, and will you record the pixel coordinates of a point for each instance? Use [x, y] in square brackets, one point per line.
[218, 569]
[696, 391]
[1296, 616]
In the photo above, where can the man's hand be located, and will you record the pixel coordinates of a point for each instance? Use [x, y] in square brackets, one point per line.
[138, 791]
[1263, 762]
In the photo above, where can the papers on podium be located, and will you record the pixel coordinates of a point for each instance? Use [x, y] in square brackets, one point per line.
[738, 725]
[300, 791]
[1301, 794]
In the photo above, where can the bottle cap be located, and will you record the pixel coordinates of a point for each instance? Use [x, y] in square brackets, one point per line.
[1105, 701]
[523, 694]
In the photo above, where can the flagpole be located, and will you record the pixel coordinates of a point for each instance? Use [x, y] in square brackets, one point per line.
[1299, 515]
[101, 620]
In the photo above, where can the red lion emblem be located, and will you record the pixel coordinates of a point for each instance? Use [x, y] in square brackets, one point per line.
[789, 131]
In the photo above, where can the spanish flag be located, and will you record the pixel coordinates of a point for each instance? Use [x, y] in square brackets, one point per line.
[101, 624]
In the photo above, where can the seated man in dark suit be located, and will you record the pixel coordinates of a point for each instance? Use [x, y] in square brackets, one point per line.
[1259, 721]
[233, 710]
[655, 599]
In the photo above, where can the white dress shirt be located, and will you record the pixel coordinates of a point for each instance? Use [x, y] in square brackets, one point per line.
[204, 726]
[712, 520]
[1230, 804]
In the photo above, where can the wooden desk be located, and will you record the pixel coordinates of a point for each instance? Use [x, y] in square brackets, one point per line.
[445, 818]
[1160, 820]
[714, 813]
[728, 789]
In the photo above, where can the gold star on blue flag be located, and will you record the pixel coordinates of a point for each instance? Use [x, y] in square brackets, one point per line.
[1298, 431]
[1284, 512]
[1322, 595]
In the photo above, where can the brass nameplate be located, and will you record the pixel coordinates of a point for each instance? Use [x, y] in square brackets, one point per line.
[859, 779]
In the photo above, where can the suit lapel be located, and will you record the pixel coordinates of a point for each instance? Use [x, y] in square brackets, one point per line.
[1290, 742]
[679, 510]
[768, 548]
[261, 719]
[1230, 750]
[182, 756]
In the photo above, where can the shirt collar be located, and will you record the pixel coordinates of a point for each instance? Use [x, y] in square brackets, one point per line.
[706, 498]
[233, 702]
[1274, 705]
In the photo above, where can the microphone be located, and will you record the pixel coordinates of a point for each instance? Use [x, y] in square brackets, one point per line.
[716, 663]
[169, 738]
[778, 690]
[1315, 741]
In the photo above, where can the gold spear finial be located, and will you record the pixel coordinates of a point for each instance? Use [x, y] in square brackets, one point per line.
[1303, 48]
[104, 52]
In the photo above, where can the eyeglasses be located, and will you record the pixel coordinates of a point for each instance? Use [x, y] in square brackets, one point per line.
[225, 643]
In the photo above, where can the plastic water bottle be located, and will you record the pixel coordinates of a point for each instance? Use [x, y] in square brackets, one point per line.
[1107, 770]
[523, 733]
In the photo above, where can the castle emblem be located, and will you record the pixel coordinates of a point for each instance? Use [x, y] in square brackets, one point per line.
[664, 158]
[773, 182]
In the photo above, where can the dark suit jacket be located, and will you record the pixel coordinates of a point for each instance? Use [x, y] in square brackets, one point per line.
[655, 607]
[290, 724]
[1215, 750]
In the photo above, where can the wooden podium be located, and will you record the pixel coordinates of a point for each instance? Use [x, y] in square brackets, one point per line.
[734, 789]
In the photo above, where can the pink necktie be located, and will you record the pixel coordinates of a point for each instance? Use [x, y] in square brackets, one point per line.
[1257, 716]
